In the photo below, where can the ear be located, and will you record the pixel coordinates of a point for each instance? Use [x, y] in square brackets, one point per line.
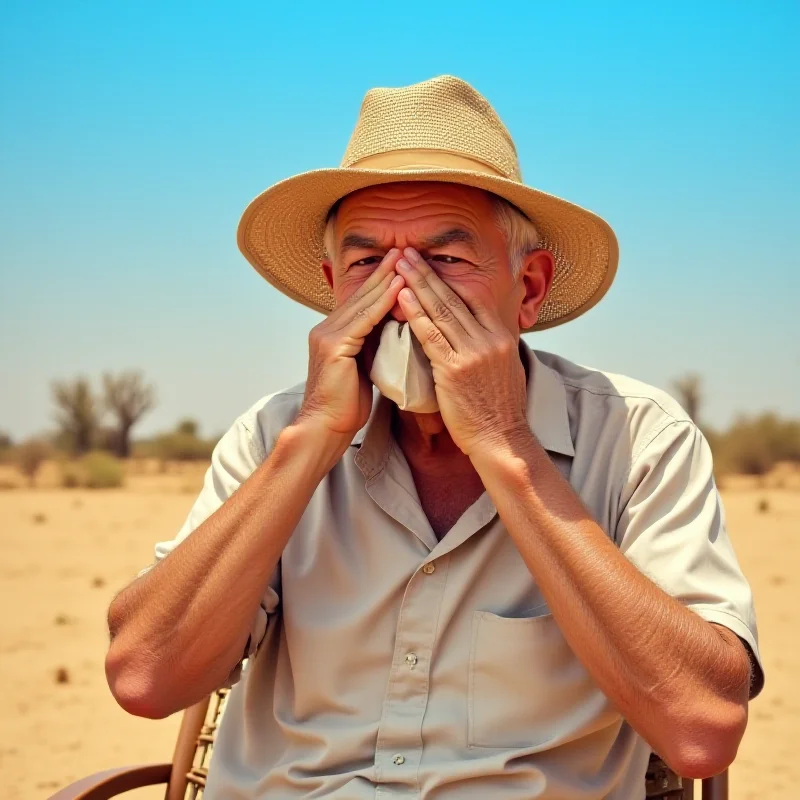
[536, 277]
[327, 271]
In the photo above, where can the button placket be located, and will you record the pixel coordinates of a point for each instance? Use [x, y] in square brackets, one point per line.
[406, 698]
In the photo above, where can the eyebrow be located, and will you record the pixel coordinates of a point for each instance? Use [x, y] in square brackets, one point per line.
[355, 241]
[453, 236]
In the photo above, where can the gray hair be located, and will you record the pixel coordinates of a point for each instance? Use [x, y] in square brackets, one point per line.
[520, 233]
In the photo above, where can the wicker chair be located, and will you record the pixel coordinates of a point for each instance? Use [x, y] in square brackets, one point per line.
[185, 777]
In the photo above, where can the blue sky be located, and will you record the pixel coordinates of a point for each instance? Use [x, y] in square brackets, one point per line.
[133, 135]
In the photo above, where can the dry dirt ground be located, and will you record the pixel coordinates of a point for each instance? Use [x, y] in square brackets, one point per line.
[65, 554]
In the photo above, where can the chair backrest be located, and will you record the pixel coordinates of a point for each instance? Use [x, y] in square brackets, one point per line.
[199, 727]
[193, 748]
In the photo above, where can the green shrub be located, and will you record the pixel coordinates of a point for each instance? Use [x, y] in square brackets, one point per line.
[754, 445]
[103, 471]
[30, 456]
[96, 470]
[182, 444]
[71, 476]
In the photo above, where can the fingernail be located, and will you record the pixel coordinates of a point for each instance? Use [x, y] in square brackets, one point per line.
[404, 265]
[411, 254]
[408, 296]
[396, 281]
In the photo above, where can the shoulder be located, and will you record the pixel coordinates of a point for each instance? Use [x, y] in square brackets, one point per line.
[259, 426]
[614, 405]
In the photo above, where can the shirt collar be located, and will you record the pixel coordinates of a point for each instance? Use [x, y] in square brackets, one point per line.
[546, 409]
[547, 405]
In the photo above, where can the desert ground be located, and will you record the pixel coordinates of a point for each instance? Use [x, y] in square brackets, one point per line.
[67, 552]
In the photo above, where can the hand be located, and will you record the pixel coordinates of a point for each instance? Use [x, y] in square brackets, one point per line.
[479, 377]
[338, 396]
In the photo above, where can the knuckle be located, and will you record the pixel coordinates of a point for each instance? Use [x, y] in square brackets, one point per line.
[453, 300]
[353, 299]
[441, 312]
[315, 335]
[434, 335]
[505, 346]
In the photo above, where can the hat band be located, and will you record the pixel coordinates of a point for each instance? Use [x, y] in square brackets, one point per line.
[407, 160]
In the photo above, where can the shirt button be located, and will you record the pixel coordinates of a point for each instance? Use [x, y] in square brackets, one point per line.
[411, 659]
[398, 759]
[428, 568]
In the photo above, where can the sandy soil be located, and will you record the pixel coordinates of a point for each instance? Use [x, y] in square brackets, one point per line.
[65, 554]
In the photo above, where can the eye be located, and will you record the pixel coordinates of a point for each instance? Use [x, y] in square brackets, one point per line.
[364, 262]
[447, 259]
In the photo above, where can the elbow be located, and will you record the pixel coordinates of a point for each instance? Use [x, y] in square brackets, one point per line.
[133, 688]
[706, 749]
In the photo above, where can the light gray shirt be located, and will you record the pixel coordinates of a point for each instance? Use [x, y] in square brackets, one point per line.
[385, 663]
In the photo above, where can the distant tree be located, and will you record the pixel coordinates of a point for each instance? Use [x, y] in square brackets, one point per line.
[5, 441]
[188, 427]
[128, 398]
[78, 413]
[30, 456]
[688, 389]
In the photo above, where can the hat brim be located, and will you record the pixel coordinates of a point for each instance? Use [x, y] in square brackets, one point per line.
[281, 234]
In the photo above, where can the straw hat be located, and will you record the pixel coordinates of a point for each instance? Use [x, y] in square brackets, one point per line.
[438, 130]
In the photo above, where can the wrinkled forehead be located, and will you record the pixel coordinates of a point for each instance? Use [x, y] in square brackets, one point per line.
[423, 204]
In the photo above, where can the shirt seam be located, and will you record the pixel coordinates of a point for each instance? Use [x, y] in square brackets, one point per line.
[257, 449]
[600, 393]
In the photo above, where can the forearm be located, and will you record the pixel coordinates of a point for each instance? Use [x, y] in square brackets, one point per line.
[178, 631]
[679, 681]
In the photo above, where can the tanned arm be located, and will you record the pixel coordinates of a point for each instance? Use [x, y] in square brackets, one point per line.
[179, 630]
[680, 681]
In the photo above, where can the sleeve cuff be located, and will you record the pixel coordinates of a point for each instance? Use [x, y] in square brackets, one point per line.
[733, 623]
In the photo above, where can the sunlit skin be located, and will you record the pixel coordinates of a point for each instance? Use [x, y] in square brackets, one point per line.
[412, 215]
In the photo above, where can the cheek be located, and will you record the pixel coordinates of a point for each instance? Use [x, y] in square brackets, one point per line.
[481, 287]
[344, 286]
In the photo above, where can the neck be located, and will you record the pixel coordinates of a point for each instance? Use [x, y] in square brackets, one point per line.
[427, 444]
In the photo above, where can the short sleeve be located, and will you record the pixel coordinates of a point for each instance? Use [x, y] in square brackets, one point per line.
[236, 456]
[672, 527]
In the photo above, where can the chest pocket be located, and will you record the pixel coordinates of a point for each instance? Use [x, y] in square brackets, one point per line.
[526, 686]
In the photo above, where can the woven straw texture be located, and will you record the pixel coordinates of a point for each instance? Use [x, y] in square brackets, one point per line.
[281, 231]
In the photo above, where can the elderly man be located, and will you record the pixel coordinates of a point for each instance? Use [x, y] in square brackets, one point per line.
[455, 567]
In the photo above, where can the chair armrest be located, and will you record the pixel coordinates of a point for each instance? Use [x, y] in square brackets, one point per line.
[112, 782]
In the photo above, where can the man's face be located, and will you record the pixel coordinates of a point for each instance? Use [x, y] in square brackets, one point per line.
[454, 229]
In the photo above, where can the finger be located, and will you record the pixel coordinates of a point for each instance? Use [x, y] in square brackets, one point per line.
[386, 267]
[435, 307]
[374, 307]
[364, 298]
[433, 341]
[485, 317]
[467, 309]
[451, 301]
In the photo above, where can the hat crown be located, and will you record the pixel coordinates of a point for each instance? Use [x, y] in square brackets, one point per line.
[444, 114]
